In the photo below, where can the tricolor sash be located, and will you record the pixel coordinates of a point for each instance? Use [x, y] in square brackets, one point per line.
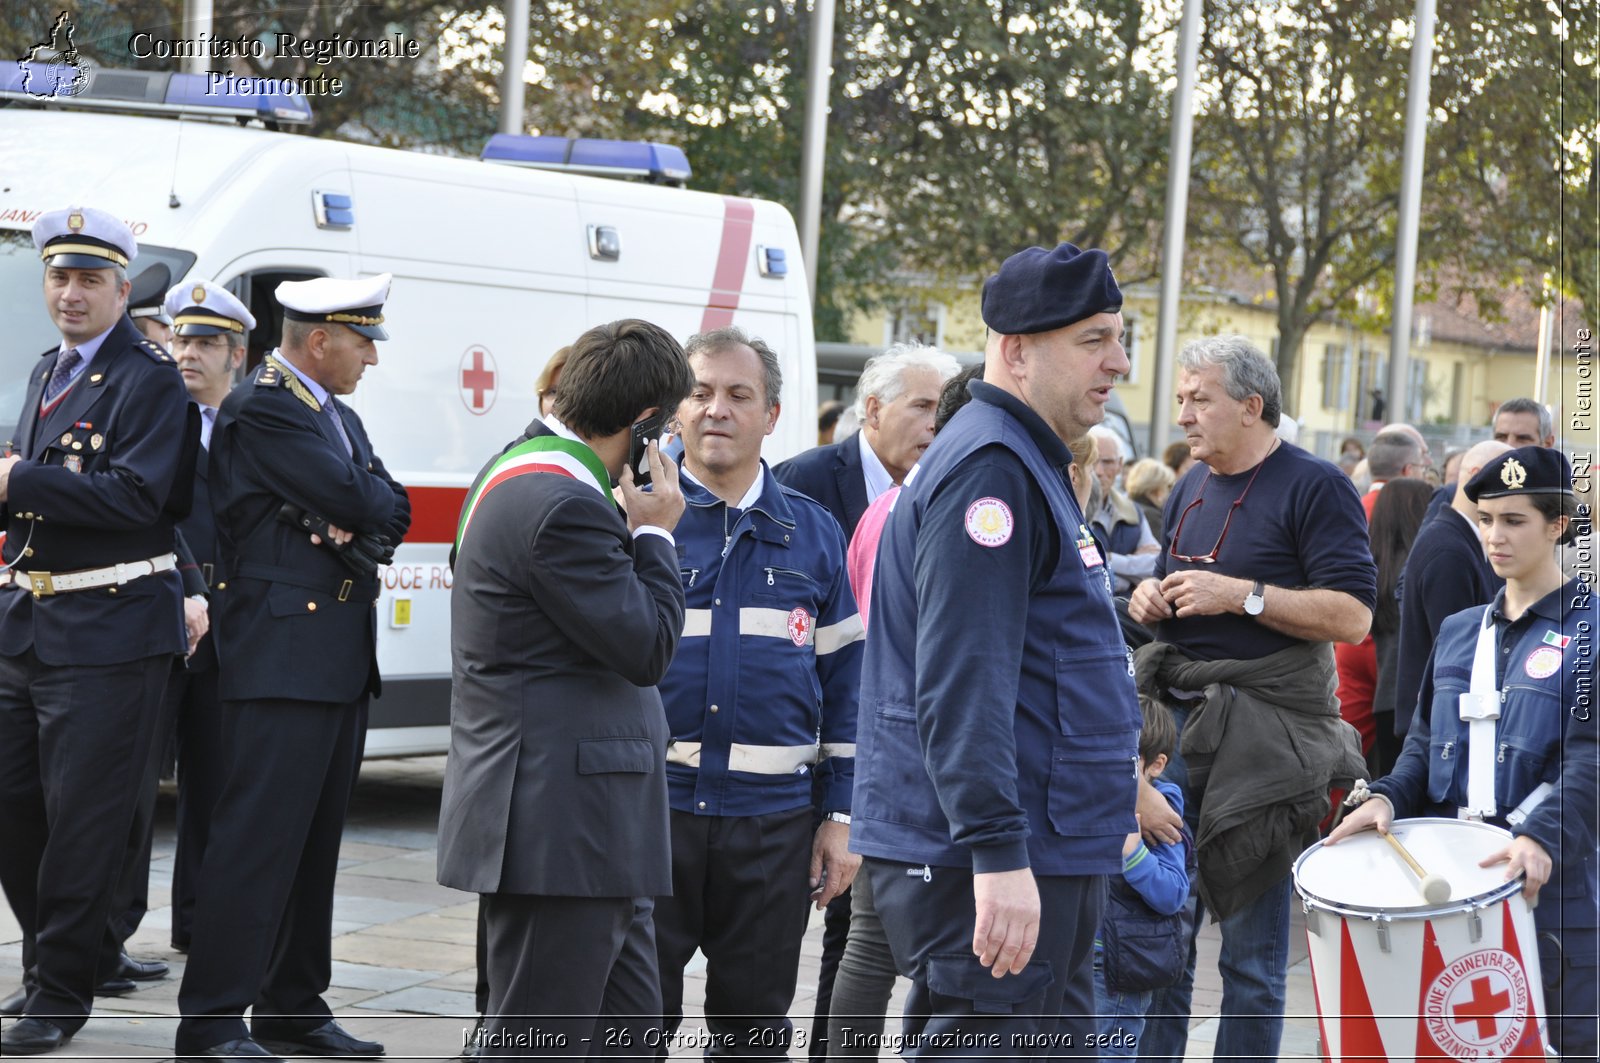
[551, 454]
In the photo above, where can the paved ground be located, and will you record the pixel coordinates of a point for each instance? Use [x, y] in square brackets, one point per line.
[403, 946]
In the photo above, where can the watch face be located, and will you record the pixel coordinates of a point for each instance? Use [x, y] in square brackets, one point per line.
[1254, 604]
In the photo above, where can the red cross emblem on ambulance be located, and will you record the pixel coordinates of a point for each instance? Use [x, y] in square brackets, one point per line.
[477, 380]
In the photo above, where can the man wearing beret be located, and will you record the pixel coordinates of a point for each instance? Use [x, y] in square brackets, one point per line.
[91, 612]
[1266, 562]
[305, 513]
[995, 778]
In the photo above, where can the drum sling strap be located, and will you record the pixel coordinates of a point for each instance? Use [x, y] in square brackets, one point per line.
[1479, 707]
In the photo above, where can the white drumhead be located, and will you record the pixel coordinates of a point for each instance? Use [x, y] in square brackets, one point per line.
[1364, 872]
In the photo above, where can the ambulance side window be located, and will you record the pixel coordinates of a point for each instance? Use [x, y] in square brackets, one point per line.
[255, 290]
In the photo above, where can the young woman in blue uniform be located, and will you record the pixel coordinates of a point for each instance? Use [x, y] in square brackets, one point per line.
[1537, 640]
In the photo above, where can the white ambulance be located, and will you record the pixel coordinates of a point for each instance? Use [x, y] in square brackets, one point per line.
[497, 263]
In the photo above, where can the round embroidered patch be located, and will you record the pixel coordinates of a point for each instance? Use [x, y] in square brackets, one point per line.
[989, 522]
[1543, 662]
[799, 626]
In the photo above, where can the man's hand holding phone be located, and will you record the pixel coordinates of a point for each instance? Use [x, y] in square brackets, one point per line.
[662, 504]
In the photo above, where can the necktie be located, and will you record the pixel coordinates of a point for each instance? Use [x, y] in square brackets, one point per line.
[61, 376]
[208, 421]
[338, 425]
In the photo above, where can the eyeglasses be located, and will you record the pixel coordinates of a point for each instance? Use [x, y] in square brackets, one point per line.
[1211, 558]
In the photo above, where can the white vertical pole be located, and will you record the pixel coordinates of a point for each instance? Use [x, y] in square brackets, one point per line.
[1405, 257]
[814, 142]
[1172, 240]
[197, 24]
[516, 61]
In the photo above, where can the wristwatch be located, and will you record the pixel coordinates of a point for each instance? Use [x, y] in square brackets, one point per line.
[838, 817]
[1255, 601]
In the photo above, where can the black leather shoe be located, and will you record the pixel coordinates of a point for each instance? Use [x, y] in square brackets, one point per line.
[32, 1037]
[240, 1048]
[115, 987]
[12, 1006]
[142, 970]
[329, 1039]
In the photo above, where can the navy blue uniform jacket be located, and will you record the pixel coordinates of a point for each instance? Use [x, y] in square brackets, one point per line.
[294, 622]
[104, 478]
[999, 726]
[831, 475]
[1445, 573]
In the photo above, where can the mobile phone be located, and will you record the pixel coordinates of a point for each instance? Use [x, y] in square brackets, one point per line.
[642, 433]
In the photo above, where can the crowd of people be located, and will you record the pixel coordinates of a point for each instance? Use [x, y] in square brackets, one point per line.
[1016, 718]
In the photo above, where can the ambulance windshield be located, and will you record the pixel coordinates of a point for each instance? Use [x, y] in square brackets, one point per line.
[28, 330]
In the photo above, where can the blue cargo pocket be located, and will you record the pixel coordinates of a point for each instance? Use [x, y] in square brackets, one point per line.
[960, 976]
[1094, 692]
[600, 756]
[1093, 794]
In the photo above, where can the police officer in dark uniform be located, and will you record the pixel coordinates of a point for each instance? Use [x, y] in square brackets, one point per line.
[996, 752]
[209, 325]
[91, 612]
[305, 513]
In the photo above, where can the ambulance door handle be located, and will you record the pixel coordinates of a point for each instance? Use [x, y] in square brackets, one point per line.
[605, 243]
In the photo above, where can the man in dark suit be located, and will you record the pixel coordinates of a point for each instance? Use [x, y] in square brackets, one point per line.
[896, 399]
[305, 513]
[91, 612]
[563, 617]
[1445, 573]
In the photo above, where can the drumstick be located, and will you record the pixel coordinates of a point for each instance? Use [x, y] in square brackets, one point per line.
[1435, 888]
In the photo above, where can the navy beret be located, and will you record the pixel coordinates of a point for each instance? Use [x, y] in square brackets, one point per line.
[1524, 471]
[1039, 290]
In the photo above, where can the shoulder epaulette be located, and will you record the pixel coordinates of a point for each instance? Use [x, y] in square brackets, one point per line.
[274, 375]
[154, 351]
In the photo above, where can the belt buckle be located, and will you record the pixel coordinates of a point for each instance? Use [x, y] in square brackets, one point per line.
[42, 583]
[344, 590]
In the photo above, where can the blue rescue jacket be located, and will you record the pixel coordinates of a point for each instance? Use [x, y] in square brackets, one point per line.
[1546, 733]
[999, 726]
[762, 691]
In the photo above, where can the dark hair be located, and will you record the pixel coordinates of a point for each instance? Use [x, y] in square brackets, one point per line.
[1396, 516]
[1550, 505]
[828, 414]
[1158, 736]
[616, 370]
[1175, 454]
[730, 336]
[955, 395]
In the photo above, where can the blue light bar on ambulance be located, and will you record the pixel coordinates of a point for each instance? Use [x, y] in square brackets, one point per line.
[162, 92]
[656, 163]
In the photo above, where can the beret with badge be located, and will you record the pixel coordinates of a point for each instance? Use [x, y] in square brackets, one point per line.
[202, 308]
[1524, 471]
[83, 238]
[356, 303]
[1040, 290]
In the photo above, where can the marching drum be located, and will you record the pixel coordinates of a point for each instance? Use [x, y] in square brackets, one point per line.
[1396, 977]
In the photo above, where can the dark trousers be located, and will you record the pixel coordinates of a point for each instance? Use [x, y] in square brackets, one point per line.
[836, 930]
[74, 740]
[132, 897]
[264, 922]
[739, 891]
[202, 772]
[570, 976]
[865, 982]
[956, 1007]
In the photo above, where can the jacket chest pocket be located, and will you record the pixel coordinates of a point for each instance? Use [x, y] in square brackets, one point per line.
[76, 448]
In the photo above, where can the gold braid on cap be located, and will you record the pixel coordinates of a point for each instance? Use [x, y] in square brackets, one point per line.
[355, 319]
[52, 250]
[207, 319]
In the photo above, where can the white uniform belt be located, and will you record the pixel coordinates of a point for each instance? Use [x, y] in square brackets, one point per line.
[87, 579]
[762, 760]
